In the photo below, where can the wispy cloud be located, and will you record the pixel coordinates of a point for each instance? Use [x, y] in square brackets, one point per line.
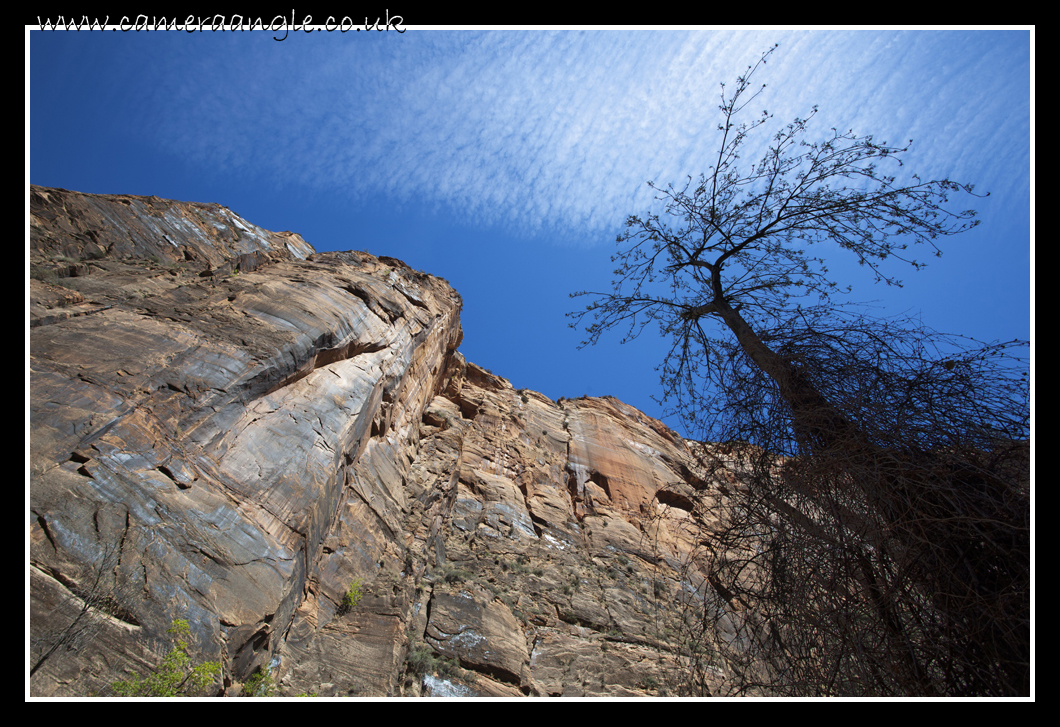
[536, 130]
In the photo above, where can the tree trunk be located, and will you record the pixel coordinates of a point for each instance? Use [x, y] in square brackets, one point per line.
[935, 515]
[817, 424]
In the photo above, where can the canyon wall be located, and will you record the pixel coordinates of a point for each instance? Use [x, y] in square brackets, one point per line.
[231, 428]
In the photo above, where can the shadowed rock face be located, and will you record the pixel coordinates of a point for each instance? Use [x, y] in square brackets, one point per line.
[230, 428]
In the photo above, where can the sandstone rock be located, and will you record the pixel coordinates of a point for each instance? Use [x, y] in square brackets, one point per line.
[481, 633]
[248, 443]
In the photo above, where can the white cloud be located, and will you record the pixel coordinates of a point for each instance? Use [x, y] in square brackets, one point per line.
[532, 130]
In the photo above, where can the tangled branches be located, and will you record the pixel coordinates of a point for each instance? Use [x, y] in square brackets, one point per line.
[891, 557]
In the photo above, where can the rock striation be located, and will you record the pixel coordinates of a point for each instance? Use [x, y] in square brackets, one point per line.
[231, 428]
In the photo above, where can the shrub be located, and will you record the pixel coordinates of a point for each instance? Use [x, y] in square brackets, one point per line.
[423, 660]
[353, 596]
[457, 575]
[174, 676]
[260, 684]
[45, 275]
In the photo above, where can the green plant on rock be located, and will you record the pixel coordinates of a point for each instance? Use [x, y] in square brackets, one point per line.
[451, 574]
[45, 275]
[174, 676]
[260, 684]
[353, 596]
[423, 660]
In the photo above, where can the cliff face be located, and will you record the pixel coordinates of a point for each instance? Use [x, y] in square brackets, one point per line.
[230, 428]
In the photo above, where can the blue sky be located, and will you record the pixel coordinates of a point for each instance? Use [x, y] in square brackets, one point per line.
[507, 160]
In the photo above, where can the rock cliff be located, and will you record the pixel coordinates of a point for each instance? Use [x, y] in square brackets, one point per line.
[231, 428]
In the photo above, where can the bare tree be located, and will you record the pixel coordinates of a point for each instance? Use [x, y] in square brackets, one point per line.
[102, 592]
[880, 544]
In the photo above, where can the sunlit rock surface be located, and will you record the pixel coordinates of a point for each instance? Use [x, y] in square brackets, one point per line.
[230, 428]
